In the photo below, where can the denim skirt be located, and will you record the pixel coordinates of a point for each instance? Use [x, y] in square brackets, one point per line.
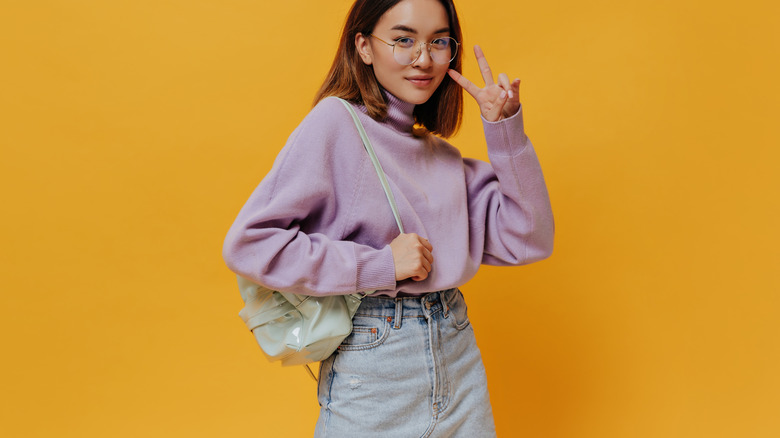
[410, 368]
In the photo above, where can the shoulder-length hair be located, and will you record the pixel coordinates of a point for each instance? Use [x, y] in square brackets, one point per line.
[349, 78]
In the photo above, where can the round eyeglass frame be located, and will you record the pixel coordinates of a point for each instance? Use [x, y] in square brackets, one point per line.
[419, 49]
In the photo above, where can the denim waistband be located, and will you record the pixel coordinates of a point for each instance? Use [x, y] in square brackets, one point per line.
[397, 308]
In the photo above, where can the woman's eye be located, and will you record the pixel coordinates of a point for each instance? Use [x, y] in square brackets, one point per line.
[440, 43]
[405, 42]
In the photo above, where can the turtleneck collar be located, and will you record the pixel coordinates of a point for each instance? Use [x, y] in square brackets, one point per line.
[399, 113]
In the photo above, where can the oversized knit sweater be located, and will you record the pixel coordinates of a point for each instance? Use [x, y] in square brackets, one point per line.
[320, 224]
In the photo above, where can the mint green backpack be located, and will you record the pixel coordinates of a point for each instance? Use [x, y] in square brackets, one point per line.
[300, 329]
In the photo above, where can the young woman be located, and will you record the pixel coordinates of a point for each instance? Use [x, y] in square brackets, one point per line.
[319, 223]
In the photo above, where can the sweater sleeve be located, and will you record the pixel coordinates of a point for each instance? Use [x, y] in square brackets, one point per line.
[288, 234]
[508, 201]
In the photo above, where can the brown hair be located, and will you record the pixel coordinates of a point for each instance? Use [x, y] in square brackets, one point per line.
[349, 78]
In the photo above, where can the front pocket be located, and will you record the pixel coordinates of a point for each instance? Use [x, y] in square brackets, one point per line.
[362, 336]
[367, 332]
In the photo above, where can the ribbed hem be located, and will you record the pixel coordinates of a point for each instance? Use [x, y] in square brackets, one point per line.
[505, 138]
[375, 269]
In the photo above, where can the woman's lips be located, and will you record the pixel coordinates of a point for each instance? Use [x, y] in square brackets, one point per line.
[421, 81]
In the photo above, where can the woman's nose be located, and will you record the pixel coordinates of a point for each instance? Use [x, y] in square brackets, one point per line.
[424, 56]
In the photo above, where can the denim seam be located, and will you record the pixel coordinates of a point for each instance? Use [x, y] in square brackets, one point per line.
[431, 427]
[332, 377]
[444, 390]
[434, 379]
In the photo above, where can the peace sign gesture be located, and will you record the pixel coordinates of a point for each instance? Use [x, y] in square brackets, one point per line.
[496, 100]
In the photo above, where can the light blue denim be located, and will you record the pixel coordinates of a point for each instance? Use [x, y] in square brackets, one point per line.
[410, 368]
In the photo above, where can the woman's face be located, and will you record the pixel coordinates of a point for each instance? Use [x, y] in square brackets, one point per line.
[423, 20]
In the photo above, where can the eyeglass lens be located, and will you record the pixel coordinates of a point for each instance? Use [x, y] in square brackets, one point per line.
[442, 50]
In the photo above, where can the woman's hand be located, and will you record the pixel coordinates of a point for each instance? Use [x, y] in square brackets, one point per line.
[412, 257]
[497, 100]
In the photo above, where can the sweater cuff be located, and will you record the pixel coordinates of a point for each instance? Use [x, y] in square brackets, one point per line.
[375, 269]
[506, 137]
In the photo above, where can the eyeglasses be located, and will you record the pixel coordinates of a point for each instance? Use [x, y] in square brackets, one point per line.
[406, 50]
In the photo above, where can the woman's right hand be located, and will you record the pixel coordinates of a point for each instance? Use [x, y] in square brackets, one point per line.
[412, 257]
[496, 100]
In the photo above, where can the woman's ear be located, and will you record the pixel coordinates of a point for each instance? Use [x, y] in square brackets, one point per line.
[363, 48]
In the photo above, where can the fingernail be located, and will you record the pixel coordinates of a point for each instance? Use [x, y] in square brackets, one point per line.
[502, 95]
[511, 94]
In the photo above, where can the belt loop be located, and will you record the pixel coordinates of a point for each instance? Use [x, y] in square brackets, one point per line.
[399, 313]
[426, 302]
[445, 305]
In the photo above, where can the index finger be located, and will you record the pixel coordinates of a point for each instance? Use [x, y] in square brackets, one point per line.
[428, 255]
[487, 75]
[463, 82]
[426, 243]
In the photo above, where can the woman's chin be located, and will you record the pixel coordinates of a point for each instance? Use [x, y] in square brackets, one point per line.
[416, 95]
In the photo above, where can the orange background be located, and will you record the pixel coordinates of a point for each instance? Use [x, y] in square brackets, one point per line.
[133, 131]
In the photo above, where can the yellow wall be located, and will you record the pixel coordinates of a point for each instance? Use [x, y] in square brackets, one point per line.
[133, 131]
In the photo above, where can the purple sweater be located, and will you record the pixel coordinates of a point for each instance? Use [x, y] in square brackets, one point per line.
[319, 223]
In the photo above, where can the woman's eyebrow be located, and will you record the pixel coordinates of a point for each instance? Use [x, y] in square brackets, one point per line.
[403, 28]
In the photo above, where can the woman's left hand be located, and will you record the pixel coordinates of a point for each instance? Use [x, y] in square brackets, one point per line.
[496, 100]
